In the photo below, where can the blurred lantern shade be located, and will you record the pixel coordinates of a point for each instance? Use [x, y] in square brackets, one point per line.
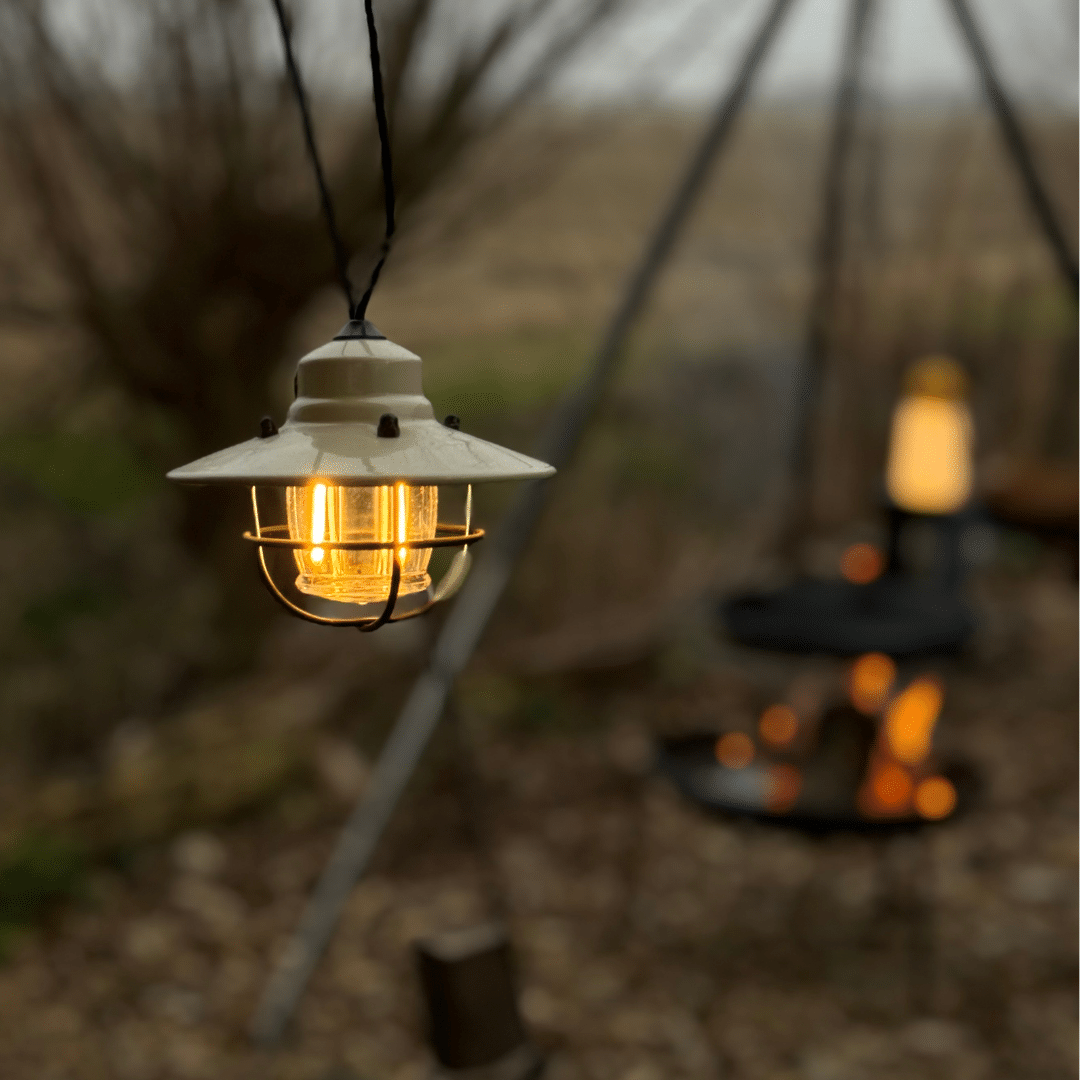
[360, 458]
[735, 750]
[930, 448]
[778, 725]
[910, 720]
[862, 563]
[871, 680]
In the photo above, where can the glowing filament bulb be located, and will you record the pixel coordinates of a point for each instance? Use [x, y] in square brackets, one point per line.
[395, 515]
[318, 522]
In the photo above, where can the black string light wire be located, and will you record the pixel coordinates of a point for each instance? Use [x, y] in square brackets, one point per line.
[384, 151]
[357, 311]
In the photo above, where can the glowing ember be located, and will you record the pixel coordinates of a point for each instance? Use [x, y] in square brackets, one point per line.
[909, 723]
[935, 798]
[782, 786]
[862, 563]
[872, 677]
[892, 788]
[734, 750]
[778, 725]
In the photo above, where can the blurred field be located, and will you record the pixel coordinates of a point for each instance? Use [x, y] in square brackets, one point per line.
[653, 943]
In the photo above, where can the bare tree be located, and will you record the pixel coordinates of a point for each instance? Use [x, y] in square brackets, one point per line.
[173, 211]
[174, 223]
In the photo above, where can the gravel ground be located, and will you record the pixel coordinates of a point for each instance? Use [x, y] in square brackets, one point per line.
[652, 941]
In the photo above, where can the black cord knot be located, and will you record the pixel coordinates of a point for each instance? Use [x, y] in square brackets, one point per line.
[359, 328]
[356, 310]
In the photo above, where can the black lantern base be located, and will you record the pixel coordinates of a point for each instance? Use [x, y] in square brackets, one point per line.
[895, 615]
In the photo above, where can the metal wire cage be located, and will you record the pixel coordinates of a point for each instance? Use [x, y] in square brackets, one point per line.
[360, 420]
[447, 535]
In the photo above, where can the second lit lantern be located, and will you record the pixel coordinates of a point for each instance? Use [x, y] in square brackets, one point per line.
[930, 448]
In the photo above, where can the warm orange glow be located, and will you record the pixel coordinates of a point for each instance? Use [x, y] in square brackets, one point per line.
[778, 725]
[782, 786]
[935, 798]
[734, 750]
[871, 680]
[862, 563]
[892, 788]
[910, 720]
[318, 522]
[930, 449]
[321, 514]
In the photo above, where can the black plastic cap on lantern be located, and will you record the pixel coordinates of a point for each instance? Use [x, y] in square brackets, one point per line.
[361, 459]
[359, 328]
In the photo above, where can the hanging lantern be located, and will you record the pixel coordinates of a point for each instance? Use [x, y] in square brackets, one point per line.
[930, 450]
[360, 460]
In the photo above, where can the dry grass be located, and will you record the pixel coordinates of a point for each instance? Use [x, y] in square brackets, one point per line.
[652, 941]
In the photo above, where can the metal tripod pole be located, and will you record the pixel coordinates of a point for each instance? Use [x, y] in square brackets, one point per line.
[1016, 144]
[828, 259]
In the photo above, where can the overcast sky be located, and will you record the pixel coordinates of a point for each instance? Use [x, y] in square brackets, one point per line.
[677, 51]
[683, 50]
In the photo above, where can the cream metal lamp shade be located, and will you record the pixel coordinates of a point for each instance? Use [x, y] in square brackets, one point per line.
[930, 448]
[361, 458]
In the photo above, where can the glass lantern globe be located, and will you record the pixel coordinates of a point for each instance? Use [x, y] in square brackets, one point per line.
[322, 512]
[931, 443]
[359, 460]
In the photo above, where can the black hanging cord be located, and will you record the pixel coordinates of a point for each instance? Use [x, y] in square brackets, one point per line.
[340, 255]
[356, 310]
[384, 148]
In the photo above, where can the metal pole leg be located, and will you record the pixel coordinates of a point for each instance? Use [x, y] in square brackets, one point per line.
[1016, 144]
